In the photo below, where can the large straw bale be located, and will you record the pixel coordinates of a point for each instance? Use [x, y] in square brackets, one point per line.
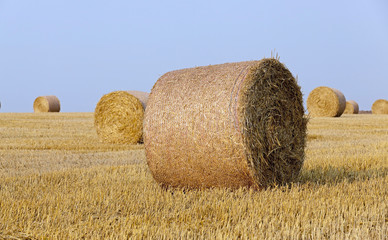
[351, 107]
[227, 125]
[118, 117]
[326, 102]
[47, 104]
[380, 106]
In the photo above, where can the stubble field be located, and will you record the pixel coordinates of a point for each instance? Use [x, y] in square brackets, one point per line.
[58, 181]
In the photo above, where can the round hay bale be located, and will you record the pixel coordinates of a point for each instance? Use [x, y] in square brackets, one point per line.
[228, 125]
[118, 117]
[47, 104]
[380, 107]
[326, 102]
[351, 107]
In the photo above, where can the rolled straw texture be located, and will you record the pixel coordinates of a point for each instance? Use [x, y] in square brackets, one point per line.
[118, 116]
[351, 107]
[228, 125]
[380, 107]
[47, 104]
[326, 102]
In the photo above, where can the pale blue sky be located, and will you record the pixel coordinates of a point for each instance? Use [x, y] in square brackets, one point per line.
[79, 50]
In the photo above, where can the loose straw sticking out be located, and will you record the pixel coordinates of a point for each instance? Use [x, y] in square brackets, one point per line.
[326, 102]
[351, 107]
[47, 104]
[118, 117]
[380, 107]
[227, 125]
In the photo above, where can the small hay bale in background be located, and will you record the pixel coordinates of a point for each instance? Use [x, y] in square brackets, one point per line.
[118, 117]
[47, 104]
[351, 107]
[326, 102]
[380, 106]
[228, 125]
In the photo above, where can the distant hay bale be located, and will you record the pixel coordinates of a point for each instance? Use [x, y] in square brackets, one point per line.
[365, 112]
[47, 104]
[351, 107]
[118, 117]
[326, 102]
[228, 125]
[380, 107]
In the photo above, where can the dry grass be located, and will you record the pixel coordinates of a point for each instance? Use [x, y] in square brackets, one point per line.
[44, 142]
[102, 191]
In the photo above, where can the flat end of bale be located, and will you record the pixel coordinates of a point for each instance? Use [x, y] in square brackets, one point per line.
[118, 118]
[274, 126]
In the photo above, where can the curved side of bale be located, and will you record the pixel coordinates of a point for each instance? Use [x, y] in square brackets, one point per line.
[47, 104]
[380, 106]
[326, 102]
[351, 107]
[118, 116]
[227, 125]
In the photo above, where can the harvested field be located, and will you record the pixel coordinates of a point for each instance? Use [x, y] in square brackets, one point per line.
[58, 181]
